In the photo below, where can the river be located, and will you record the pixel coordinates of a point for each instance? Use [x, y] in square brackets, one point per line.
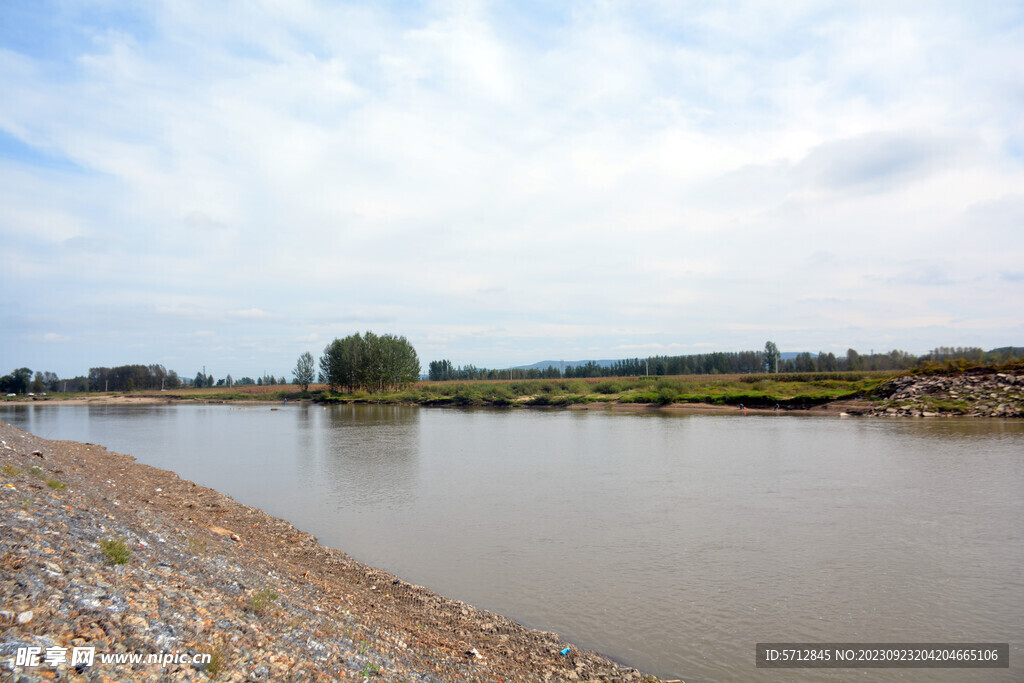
[673, 543]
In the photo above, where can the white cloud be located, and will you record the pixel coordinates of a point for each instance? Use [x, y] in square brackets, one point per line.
[493, 183]
[250, 314]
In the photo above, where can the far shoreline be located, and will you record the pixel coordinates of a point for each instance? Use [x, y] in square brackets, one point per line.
[983, 391]
[689, 408]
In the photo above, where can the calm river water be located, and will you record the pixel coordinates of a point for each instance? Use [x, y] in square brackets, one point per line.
[672, 543]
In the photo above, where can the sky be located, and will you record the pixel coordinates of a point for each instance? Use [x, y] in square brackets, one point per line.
[227, 185]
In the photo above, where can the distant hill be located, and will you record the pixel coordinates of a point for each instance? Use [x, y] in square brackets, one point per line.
[1015, 351]
[561, 365]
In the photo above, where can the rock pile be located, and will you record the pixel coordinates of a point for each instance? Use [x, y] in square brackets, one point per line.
[973, 395]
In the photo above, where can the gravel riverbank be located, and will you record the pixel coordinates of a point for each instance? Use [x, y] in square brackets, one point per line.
[207, 575]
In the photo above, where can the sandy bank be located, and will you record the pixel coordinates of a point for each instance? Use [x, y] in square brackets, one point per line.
[835, 408]
[210, 575]
[90, 400]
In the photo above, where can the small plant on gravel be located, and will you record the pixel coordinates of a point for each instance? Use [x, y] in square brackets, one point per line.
[57, 485]
[36, 470]
[115, 551]
[196, 545]
[369, 670]
[10, 470]
[25, 503]
[261, 600]
[218, 659]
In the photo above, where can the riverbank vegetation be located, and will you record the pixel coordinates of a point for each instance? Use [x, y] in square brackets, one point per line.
[751, 390]
[755, 390]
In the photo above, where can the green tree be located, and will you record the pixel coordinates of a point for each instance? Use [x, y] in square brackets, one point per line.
[440, 370]
[826, 362]
[369, 362]
[304, 371]
[398, 363]
[17, 382]
[771, 356]
[803, 362]
[51, 381]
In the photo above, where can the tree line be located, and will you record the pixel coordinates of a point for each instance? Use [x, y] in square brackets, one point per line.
[728, 363]
[119, 378]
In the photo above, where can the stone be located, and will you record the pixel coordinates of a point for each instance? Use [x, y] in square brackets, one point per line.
[136, 622]
[25, 617]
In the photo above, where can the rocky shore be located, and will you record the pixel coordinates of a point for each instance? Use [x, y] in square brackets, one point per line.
[971, 394]
[228, 591]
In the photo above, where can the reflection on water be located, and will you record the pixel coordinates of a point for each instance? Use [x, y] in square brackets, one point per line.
[674, 543]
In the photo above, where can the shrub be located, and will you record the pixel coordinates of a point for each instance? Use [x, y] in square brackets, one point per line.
[218, 659]
[262, 600]
[500, 396]
[525, 388]
[196, 545]
[467, 396]
[438, 389]
[607, 387]
[666, 396]
[115, 551]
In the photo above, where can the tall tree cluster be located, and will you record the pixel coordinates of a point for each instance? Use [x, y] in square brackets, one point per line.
[130, 377]
[369, 362]
[17, 382]
[441, 370]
